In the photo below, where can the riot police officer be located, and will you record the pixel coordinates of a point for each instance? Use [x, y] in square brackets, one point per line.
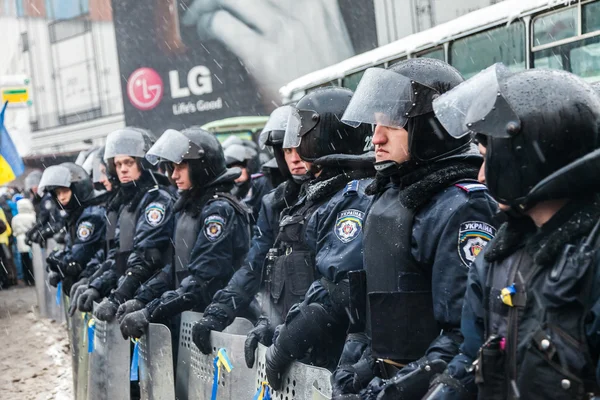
[71, 187]
[212, 233]
[107, 185]
[320, 237]
[428, 221]
[144, 226]
[248, 187]
[232, 300]
[530, 318]
[50, 220]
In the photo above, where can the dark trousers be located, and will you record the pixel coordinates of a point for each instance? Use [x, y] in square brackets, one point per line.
[27, 269]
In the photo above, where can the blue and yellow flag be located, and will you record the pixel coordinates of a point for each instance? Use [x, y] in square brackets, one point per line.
[11, 164]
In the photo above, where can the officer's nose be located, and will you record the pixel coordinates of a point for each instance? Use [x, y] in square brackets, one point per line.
[380, 134]
[481, 175]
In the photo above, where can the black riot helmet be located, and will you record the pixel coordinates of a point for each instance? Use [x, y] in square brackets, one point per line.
[316, 129]
[401, 97]
[541, 131]
[272, 135]
[129, 141]
[200, 149]
[238, 154]
[33, 180]
[596, 86]
[72, 176]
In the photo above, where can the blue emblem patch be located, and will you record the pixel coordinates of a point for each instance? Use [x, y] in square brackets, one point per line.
[85, 231]
[349, 225]
[214, 225]
[473, 236]
[155, 213]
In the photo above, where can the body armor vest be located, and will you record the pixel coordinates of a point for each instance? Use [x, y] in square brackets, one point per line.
[536, 346]
[399, 302]
[290, 266]
[111, 229]
[127, 222]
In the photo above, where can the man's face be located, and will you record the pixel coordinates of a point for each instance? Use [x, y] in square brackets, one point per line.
[104, 178]
[294, 162]
[63, 195]
[181, 176]
[481, 175]
[127, 169]
[391, 144]
[245, 174]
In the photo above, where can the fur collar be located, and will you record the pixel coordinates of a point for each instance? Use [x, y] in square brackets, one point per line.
[573, 222]
[286, 194]
[320, 189]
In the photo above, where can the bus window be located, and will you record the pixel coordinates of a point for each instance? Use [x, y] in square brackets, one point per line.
[590, 18]
[323, 85]
[506, 44]
[555, 26]
[351, 81]
[581, 58]
[394, 61]
[438, 54]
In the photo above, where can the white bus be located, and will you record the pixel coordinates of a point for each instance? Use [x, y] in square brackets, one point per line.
[519, 33]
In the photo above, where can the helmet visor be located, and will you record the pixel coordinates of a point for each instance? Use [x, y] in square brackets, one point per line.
[175, 147]
[277, 122]
[292, 136]
[477, 105]
[55, 175]
[124, 142]
[382, 97]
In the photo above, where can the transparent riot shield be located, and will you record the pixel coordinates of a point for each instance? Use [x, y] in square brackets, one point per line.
[156, 364]
[39, 276]
[240, 326]
[54, 311]
[237, 384]
[79, 354]
[300, 382]
[109, 363]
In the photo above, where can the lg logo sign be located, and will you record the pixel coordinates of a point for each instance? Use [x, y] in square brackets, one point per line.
[145, 86]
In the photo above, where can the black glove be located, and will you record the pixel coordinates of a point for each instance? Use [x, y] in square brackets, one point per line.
[445, 386]
[54, 260]
[54, 278]
[262, 333]
[135, 324]
[76, 291]
[128, 307]
[412, 385]
[71, 269]
[201, 331]
[171, 306]
[276, 363]
[106, 310]
[47, 233]
[85, 302]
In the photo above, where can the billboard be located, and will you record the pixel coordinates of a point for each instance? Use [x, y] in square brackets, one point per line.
[189, 62]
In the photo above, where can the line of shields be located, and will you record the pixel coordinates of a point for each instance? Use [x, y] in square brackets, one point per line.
[105, 365]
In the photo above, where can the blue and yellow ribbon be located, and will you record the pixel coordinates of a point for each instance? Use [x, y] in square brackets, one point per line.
[507, 293]
[135, 360]
[220, 361]
[263, 392]
[58, 293]
[91, 332]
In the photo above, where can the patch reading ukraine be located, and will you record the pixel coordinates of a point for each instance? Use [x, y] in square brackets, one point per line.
[213, 227]
[348, 225]
[85, 231]
[473, 236]
[155, 213]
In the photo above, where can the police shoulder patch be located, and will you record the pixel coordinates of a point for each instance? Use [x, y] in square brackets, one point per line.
[473, 236]
[85, 231]
[214, 225]
[155, 213]
[348, 225]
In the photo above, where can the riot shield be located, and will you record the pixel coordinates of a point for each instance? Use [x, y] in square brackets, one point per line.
[39, 275]
[109, 363]
[240, 326]
[78, 336]
[300, 382]
[156, 364]
[54, 310]
[236, 384]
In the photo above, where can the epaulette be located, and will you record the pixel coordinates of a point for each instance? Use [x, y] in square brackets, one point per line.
[257, 175]
[351, 187]
[471, 187]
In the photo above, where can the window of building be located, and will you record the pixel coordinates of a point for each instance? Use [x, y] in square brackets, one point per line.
[62, 30]
[505, 44]
[24, 42]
